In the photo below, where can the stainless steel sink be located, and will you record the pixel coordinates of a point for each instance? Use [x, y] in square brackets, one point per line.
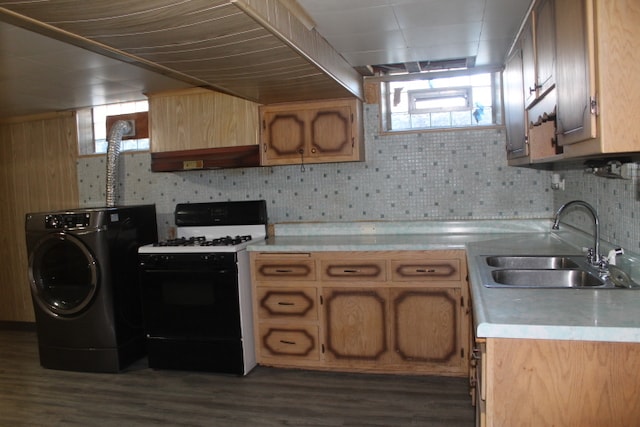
[531, 262]
[551, 278]
[540, 272]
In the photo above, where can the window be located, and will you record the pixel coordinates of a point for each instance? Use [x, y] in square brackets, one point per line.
[440, 100]
[93, 132]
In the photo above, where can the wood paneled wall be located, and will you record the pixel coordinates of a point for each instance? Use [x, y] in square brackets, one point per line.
[37, 173]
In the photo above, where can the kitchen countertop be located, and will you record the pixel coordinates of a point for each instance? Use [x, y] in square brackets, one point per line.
[565, 314]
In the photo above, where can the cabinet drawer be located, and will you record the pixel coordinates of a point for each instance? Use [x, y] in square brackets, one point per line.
[282, 269]
[284, 342]
[359, 270]
[287, 303]
[406, 271]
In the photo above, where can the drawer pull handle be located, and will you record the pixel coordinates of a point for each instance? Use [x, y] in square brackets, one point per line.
[281, 270]
[422, 270]
[350, 271]
[288, 342]
[285, 303]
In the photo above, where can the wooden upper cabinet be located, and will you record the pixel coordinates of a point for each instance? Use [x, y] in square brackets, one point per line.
[538, 52]
[528, 63]
[545, 47]
[576, 83]
[197, 118]
[312, 132]
[599, 54]
[514, 106]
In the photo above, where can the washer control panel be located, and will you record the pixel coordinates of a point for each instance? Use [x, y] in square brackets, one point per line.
[67, 220]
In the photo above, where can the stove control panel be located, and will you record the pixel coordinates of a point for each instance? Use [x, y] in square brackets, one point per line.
[67, 220]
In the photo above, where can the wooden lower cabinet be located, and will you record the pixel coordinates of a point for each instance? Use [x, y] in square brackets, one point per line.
[356, 326]
[394, 312]
[530, 383]
[435, 343]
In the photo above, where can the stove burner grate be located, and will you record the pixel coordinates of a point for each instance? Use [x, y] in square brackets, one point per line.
[204, 241]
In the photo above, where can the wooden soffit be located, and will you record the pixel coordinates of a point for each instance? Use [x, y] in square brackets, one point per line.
[255, 49]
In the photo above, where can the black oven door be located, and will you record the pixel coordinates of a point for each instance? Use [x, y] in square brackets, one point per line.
[191, 304]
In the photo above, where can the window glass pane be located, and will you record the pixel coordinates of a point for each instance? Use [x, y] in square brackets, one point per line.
[445, 102]
[100, 130]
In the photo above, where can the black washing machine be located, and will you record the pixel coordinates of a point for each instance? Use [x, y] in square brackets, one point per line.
[84, 285]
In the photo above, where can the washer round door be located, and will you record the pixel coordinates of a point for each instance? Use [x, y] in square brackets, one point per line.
[63, 274]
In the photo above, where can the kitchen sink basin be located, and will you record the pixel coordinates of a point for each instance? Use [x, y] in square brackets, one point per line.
[548, 272]
[531, 262]
[551, 278]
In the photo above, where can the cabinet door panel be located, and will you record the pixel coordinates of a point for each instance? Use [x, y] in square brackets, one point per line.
[331, 132]
[528, 65]
[356, 324]
[284, 135]
[545, 47]
[575, 84]
[514, 107]
[426, 325]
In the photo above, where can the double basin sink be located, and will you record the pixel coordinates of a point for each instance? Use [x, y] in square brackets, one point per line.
[549, 272]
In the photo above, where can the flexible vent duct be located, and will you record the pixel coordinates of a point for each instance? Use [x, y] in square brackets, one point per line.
[118, 129]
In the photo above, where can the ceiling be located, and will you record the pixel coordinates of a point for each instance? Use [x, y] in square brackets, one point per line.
[369, 32]
[39, 74]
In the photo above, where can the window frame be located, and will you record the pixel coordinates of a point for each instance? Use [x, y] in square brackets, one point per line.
[86, 125]
[385, 101]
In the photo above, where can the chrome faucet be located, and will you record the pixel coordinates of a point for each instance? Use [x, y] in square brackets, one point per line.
[594, 257]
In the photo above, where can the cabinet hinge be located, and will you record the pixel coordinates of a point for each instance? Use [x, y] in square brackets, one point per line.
[593, 105]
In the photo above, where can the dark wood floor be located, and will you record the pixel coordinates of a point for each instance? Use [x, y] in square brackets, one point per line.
[33, 396]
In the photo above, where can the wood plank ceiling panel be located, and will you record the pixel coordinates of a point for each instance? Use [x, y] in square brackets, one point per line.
[212, 41]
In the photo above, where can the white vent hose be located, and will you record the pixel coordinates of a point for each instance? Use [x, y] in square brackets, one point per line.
[118, 129]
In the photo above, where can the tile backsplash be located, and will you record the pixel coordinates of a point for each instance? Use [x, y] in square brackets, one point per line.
[450, 175]
[617, 202]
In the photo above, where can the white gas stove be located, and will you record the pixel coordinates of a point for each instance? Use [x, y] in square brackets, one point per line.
[196, 288]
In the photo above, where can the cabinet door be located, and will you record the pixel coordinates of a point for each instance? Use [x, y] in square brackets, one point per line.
[330, 133]
[283, 136]
[312, 132]
[576, 119]
[355, 325]
[528, 64]
[514, 107]
[198, 118]
[545, 47]
[426, 327]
